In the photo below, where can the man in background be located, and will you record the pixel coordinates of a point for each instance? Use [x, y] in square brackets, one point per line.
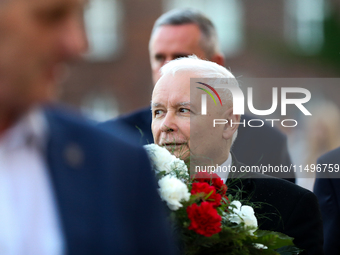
[181, 33]
[327, 190]
[65, 186]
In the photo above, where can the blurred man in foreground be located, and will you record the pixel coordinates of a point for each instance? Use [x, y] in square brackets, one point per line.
[180, 33]
[65, 187]
[177, 124]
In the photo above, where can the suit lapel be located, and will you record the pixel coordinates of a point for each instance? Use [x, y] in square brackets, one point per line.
[65, 160]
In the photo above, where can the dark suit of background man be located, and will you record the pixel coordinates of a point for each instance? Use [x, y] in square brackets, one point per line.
[327, 189]
[65, 187]
[185, 32]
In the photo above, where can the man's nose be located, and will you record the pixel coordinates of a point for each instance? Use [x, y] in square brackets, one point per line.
[169, 123]
[73, 39]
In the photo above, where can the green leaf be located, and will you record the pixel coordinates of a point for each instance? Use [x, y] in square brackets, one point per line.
[289, 250]
[273, 240]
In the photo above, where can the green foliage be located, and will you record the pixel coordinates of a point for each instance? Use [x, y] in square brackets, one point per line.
[273, 240]
[287, 250]
[234, 239]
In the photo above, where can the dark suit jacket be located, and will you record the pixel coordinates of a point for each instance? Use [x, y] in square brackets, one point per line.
[134, 127]
[327, 189]
[283, 207]
[105, 191]
[253, 146]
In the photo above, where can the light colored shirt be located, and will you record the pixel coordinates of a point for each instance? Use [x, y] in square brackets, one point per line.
[29, 222]
[226, 165]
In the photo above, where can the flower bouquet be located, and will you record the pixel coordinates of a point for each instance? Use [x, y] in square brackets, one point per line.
[207, 220]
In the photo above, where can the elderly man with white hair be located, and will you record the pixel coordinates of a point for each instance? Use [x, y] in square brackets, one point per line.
[178, 125]
[180, 33]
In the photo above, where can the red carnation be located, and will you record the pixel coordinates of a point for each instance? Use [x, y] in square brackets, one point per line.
[212, 179]
[204, 219]
[206, 177]
[223, 189]
[214, 198]
[218, 184]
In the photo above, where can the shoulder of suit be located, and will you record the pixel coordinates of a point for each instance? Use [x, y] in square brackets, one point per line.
[276, 185]
[75, 125]
[328, 163]
[331, 156]
[139, 116]
[265, 183]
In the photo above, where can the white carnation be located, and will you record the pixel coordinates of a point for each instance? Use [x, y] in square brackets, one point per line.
[160, 157]
[179, 165]
[163, 160]
[173, 191]
[244, 214]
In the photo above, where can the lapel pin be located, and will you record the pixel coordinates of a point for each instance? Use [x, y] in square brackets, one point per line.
[74, 155]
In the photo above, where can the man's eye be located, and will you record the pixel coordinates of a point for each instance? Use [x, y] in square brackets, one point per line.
[157, 113]
[181, 56]
[184, 110]
[159, 58]
[52, 16]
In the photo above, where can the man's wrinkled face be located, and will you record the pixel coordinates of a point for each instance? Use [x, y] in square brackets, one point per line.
[177, 122]
[170, 42]
[171, 111]
[36, 38]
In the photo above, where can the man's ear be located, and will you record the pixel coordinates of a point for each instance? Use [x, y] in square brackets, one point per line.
[232, 125]
[218, 59]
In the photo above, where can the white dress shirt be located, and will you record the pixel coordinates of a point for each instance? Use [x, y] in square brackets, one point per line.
[29, 222]
[226, 165]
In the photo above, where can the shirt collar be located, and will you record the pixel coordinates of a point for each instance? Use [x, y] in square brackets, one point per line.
[226, 165]
[29, 130]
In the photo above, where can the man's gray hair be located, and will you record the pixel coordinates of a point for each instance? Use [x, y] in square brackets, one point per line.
[216, 74]
[204, 69]
[209, 40]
